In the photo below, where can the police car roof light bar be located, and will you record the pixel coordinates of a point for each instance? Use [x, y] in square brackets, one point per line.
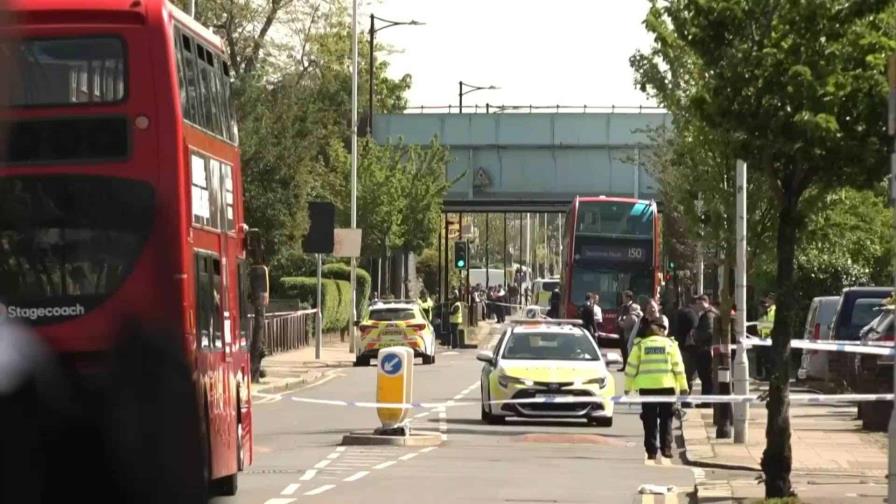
[528, 321]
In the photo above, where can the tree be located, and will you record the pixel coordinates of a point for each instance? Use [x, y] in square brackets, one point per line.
[797, 89]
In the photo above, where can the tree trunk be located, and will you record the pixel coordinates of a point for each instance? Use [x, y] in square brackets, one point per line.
[777, 459]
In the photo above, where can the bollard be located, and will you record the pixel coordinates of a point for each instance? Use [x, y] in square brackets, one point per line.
[723, 426]
[394, 384]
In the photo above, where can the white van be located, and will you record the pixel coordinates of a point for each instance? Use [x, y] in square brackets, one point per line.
[818, 328]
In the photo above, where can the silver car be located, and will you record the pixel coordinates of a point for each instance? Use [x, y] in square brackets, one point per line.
[821, 313]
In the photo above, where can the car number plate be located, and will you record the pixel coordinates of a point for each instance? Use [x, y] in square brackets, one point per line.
[550, 397]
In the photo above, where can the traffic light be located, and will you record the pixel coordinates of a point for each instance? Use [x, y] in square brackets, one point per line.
[461, 256]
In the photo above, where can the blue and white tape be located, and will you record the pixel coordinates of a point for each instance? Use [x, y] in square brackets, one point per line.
[706, 399]
[874, 348]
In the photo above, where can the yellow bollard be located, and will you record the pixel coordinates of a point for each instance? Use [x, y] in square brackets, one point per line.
[394, 384]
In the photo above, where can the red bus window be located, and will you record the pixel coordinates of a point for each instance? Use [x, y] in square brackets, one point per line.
[209, 307]
[64, 71]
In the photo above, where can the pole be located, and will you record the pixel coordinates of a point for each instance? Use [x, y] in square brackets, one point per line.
[891, 127]
[559, 242]
[546, 254]
[438, 263]
[528, 246]
[487, 272]
[318, 337]
[741, 366]
[193, 9]
[354, 273]
[372, 69]
[505, 250]
[699, 285]
[447, 275]
[460, 97]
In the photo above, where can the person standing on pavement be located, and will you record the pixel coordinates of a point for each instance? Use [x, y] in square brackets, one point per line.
[586, 311]
[707, 325]
[425, 305]
[764, 326]
[456, 318]
[655, 368]
[651, 314]
[554, 303]
[629, 314]
[598, 313]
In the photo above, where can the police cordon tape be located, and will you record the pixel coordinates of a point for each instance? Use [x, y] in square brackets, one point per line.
[883, 348]
[630, 399]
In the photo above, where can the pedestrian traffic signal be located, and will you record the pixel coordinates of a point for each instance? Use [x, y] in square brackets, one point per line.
[461, 260]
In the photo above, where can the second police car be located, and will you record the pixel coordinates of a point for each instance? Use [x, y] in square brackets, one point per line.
[395, 323]
[547, 359]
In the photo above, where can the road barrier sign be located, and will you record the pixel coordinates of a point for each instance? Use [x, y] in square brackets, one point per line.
[394, 384]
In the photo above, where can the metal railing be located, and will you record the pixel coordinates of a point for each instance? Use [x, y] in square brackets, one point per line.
[285, 331]
[489, 108]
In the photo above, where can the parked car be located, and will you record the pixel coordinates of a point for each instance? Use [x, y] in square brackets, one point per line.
[821, 313]
[875, 372]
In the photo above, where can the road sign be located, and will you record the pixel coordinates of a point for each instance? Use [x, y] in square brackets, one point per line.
[394, 384]
[391, 364]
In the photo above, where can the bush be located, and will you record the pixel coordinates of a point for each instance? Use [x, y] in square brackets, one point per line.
[340, 271]
[335, 298]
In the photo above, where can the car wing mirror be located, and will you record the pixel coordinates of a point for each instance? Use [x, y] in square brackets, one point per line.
[485, 356]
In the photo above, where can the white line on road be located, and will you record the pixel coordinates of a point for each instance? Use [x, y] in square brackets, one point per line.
[409, 456]
[322, 464]
[450, 353]
[458, 397]
[310, 473]
[290, 489]
[384, 465]
[358, 475]
[333, 455]
[340, 449]
[427, 450]
[279, 500]
[321, 489]
[421, 415]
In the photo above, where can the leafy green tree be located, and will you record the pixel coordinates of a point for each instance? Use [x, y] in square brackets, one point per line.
[797, 89]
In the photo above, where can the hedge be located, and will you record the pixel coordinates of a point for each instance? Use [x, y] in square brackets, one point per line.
[340, 271]
[335, 297]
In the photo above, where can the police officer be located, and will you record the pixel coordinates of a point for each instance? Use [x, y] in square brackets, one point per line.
[456, 317]
[425, 304]
[554, 303]
[764, 327]
[654, 368]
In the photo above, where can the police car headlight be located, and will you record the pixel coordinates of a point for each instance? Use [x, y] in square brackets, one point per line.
[600, 381]
[505, 381]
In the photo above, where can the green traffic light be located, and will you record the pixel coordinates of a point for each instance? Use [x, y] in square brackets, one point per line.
[460, 263]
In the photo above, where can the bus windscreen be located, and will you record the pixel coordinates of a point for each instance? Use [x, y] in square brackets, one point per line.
[615, 218]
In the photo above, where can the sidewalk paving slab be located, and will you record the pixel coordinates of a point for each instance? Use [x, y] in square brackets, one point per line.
[833, 459]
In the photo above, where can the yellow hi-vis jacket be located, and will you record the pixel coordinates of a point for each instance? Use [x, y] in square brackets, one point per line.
[655, 363]
[456, 318]
[426, 308]
[766, 322]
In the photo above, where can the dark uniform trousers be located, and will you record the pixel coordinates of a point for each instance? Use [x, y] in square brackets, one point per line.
[657, 417]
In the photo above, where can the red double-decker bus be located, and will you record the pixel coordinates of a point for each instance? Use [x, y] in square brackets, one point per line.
[121, 195]
[611, 245]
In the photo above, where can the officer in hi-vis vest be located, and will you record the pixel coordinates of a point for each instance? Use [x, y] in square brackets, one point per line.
[655, 368]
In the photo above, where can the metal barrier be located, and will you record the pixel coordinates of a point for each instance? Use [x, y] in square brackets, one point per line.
[285, 331]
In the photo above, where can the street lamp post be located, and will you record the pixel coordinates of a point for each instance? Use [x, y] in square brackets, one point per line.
[470, 88]
[373, 30]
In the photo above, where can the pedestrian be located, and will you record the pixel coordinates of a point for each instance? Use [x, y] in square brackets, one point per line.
[425, 305]
[586, 311]
[629, 314]
[686, 322]
[764, 327]
[554, 304]
[651, 314]
[655, 368]
[598, 313]
[707, 325]
[456, 317]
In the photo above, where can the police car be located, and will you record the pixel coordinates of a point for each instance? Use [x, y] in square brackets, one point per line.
[395, 323]
[547, 359]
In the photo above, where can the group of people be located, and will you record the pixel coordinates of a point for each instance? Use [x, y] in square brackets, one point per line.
[659, 359]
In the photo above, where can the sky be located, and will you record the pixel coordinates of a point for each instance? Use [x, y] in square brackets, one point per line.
[538, 52]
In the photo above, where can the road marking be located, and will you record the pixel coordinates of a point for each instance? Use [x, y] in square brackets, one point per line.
[427, 450]
[384, 465]
[272, 398]
[671, 498]
[310, 473]
[279, 500]
[333, 455]
[322, 464]
[421, 415]
[319, 490]
[450, 353]
[409, 456]
[290, 489]
[358, 475]
[645, 499]
[340, 449]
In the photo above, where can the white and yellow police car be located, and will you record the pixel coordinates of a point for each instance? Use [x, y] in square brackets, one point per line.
[547, 359]
[395, 323]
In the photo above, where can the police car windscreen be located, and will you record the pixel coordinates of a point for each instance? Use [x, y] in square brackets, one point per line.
[550, 346]
[392, 315]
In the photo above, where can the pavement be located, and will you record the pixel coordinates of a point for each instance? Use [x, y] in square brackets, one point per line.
[297, 456]
[833, 459]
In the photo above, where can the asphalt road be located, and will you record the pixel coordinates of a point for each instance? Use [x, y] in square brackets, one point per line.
[298, 457]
